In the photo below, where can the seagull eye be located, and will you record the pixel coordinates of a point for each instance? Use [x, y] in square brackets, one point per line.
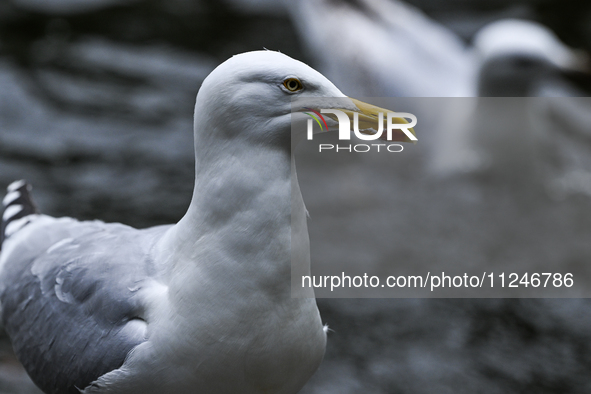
[293, 84]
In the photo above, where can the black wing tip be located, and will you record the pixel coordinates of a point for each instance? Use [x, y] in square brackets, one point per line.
[17, 204]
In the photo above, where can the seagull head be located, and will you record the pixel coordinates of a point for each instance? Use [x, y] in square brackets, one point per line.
[258, 96]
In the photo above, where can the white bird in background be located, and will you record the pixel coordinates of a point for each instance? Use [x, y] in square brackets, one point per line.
[509, 139]
[386, 48]
[389, 48]
[205, 305]
[519, 58]
[383, 48]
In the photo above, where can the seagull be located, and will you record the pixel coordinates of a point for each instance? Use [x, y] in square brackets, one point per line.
[385, 48]
[520, 58]
[507, 139]
[202, 306]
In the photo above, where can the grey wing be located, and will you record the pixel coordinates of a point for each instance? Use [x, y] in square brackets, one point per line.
[70, 302]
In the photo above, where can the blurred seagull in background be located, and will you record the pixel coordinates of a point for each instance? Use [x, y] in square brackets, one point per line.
[517, 141]
[519, 58]
[389, 48]
[203, 306]
[385, 48]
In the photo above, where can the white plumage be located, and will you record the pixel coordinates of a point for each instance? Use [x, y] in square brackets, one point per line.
[202, 306]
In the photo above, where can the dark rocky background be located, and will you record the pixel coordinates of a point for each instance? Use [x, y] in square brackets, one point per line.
[96, 101]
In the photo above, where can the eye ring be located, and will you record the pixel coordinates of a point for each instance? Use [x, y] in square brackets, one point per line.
[293, 84]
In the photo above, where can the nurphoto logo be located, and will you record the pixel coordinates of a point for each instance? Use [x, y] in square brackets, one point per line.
[393, 122]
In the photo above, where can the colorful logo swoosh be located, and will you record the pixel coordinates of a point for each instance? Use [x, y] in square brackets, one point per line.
[316, 118]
